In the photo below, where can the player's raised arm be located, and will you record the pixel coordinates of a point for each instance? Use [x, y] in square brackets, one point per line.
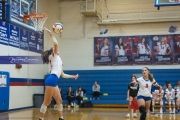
[54, 40]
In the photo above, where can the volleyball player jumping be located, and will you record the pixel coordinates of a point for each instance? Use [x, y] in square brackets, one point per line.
[51, 88]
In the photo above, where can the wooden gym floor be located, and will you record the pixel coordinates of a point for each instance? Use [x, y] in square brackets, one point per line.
[80, 114]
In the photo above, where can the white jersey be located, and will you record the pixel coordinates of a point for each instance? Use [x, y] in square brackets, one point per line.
[145, 87]
[158, 94]
[56, 64]
[142, 48]
[170, 94]
[162, 48]
[178, 93]
[104, 49]
[120, 50]
[178, 44]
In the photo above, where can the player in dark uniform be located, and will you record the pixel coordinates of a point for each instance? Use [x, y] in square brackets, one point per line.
[132, 95]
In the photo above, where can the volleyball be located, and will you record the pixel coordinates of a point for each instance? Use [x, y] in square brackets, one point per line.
[57, 28]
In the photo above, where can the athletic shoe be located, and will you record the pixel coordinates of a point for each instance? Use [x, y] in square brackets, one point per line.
[128, 115]
[170, 111]
[72, 104]
[161, 112]
[178, 111]
[61, 119]
[134, 115]
[174, 111]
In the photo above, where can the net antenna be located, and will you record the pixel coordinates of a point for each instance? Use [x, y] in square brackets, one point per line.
[38, 20]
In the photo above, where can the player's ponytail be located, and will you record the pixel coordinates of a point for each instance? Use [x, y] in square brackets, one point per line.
[45, 56]
[150, 77]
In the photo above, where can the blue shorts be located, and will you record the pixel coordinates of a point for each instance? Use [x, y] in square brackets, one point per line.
[143, 97]
[51, 80]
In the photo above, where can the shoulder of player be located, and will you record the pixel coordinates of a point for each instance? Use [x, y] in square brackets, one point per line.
[116, 46]
[140, 78]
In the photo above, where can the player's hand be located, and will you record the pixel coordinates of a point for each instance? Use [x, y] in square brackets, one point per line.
[76, 77]
[127, 99]
[49, 31]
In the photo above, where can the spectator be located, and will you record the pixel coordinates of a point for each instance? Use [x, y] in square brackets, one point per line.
[70, 97]
[79, 95]
[165, 86]
[177, 86]
[96, 90]
[153, 88]
[170, 98]
[164, 98]
[61, 92]
[84, 92]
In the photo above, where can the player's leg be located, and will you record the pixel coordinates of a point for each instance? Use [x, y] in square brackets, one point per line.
[69, 101]
[173, 104]
[153, 104]
[135, 111]
[59, 106]
[164, 104]
[178, 104]
[169, 102]
[147, 104]
[142, 108]
[49, 91]
[161, 105]
[129, 107]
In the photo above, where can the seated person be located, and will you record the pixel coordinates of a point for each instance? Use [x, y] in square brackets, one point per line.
[84, 91]
[170, 98]
[177, 86]
[61, 92]
[79, 95]
[178, 100]
[157, 97]
[70, 96]
[96, 90]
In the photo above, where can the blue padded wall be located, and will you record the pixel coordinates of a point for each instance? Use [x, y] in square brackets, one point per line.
[113, 82]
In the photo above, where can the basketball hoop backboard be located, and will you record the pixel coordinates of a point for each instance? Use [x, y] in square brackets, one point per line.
[158, 3]
[16, 9]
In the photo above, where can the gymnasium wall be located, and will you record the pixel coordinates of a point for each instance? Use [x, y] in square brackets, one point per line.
[21, 95]
[76, 41]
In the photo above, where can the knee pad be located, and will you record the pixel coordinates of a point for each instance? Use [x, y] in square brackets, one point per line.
[142, 110]
[153, 103]
[169, 102]
[161, 102]
[173, 102]
[58, 107]
[43, 109]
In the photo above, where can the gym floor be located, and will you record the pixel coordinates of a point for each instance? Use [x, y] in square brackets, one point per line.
[81, 114]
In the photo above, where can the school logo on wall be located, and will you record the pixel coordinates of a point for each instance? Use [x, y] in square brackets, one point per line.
[173, 29]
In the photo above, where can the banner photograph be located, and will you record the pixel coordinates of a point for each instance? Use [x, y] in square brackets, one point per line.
[137, 50]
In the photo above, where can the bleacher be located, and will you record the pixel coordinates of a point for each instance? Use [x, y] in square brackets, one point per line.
[113, 82]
